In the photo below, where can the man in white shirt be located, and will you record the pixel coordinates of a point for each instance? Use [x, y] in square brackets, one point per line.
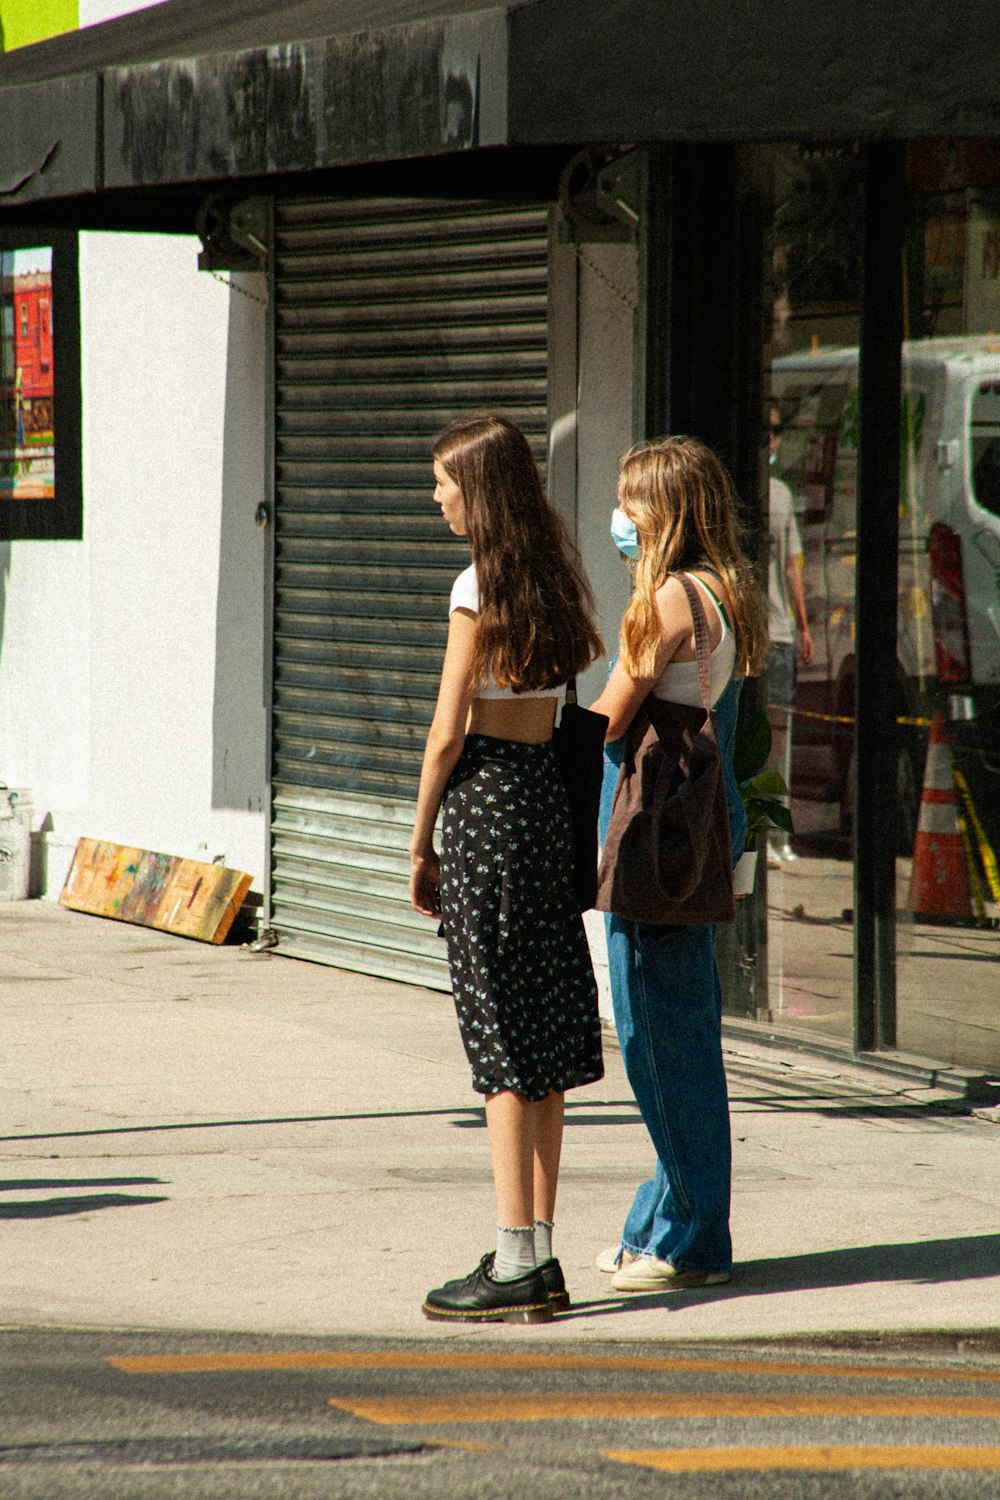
[788, 611]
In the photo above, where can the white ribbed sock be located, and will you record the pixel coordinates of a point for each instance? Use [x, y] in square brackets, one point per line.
[515, 1253]
[543, 1240]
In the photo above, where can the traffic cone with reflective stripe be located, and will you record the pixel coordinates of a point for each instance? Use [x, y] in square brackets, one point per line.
[939, 884]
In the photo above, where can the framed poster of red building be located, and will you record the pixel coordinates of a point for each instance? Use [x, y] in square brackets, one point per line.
[40, 470]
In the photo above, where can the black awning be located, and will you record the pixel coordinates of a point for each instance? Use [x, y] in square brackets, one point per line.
[171, 96]
[191, 28]
[249, 91]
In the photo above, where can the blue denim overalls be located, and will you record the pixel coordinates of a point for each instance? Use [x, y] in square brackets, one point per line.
[668, 1009]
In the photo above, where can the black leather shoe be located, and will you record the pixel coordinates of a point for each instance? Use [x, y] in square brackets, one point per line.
[555, 1284]
[477, 1298]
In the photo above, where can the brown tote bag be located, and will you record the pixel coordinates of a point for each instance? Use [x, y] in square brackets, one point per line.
[667, 857]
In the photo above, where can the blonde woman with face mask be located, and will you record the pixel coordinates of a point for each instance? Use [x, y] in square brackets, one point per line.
[677, 513]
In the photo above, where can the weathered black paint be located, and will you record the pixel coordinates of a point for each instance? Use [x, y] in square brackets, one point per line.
[190, 28]
[741, 70]
[414, 89]
[368, 97]
[200, 94]
[210, 118]
[48, 140]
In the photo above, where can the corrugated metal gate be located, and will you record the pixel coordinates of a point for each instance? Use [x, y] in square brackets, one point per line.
[392, 317]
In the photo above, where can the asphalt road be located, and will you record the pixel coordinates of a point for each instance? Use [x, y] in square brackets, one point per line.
[120, 1415]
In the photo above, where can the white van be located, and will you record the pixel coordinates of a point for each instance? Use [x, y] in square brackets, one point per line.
[948, 635]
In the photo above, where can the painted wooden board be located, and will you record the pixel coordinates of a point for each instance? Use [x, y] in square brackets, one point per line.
[155, 890]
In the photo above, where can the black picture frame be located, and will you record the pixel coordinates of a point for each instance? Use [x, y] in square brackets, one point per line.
[59, 518]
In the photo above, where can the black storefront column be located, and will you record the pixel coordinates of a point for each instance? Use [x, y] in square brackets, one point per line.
[704, 334]
[699, 394]
[875, 736]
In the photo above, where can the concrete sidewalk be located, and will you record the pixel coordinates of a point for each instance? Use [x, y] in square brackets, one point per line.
[201, 1138]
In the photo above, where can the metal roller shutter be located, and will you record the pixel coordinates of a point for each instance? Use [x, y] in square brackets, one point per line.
[391, 318]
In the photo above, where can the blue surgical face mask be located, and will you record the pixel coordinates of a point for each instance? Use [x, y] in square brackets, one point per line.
[623, 533]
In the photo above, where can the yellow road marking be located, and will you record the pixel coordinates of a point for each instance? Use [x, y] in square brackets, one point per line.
[194, 1364]
[705, 1460]
[528, 1406]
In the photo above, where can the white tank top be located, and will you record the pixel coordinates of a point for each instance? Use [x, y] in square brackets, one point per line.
[465, 595]
[679, 682]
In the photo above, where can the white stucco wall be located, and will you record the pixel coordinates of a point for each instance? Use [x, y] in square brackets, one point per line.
[593, 295]
[156, 338]
[131, 663]
[45, 670]
[605, 400]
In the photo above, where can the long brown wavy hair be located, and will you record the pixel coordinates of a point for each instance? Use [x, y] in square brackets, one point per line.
[536, 607]
[681, 498]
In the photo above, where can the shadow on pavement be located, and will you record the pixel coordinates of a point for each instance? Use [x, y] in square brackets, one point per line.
[77, 1203]
[923, 1262]
[377, 1114]
[855, 1108]
[30, 1184]
[469, 1117]
[57, 1208]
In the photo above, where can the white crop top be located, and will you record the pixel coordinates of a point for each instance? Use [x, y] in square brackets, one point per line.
[465, 595]
[679, 683]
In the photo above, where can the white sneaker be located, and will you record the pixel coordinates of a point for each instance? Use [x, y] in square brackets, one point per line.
[646, 1273]
[611, 1260]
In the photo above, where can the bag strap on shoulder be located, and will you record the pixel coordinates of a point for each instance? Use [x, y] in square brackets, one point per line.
[701, 641]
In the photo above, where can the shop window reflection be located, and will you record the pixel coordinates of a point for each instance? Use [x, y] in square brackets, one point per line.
[947, 937]
[813, 262]
[947, 687]
[40, 468]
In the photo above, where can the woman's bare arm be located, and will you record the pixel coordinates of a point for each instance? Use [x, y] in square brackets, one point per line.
[621, 699]
[622, 694]
[444, 745]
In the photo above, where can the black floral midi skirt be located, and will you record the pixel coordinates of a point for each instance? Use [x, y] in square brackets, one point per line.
[520, 966]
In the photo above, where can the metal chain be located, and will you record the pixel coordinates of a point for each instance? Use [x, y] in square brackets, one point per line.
[592, 266]
[235, 287]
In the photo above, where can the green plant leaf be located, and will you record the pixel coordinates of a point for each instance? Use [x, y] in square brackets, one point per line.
[752, 747]
[777, 812]
[771, 782]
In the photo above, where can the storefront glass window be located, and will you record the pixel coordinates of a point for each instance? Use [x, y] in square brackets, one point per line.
[947, 683]
[812, 277]
[949, 631]
[40, 478]
[27, 390]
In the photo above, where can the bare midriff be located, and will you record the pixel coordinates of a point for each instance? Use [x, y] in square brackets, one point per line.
[527, 720]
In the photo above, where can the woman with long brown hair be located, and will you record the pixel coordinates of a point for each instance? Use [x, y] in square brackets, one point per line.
[520, 626]
[677, 513]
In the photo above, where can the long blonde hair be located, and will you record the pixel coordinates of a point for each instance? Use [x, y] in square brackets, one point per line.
[681, 498]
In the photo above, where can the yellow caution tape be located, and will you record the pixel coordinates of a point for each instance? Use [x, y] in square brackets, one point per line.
[986, 854]
[809, 713]
[975, 884]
